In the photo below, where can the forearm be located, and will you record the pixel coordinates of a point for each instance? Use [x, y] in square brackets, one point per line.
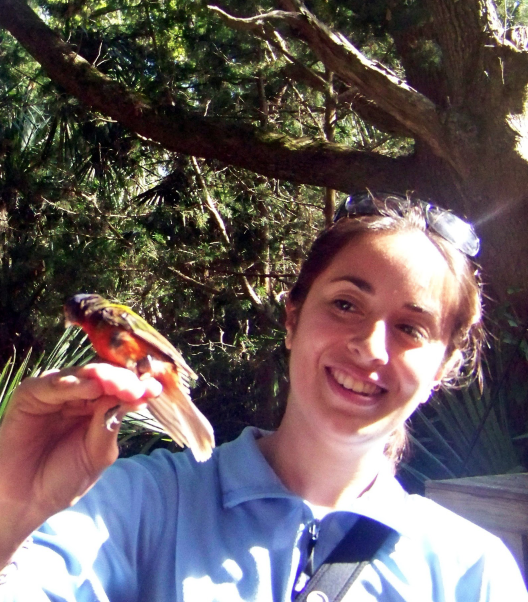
[16, 526]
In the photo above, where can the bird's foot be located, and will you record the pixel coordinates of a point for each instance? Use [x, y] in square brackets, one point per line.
[144, 365]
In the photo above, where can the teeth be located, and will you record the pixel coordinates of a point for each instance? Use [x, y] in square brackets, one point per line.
[358, 386]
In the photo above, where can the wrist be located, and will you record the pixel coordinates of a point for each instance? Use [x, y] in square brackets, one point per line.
[12, 565]
[16, 526]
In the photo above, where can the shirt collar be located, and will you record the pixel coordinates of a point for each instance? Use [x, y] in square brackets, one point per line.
[245, 475]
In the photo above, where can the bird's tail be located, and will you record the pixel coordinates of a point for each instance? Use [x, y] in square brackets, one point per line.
[178, 415]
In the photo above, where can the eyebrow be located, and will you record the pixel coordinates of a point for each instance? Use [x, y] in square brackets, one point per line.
[420, 310]
[361, 284]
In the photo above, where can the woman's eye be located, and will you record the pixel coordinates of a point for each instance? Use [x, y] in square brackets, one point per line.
[344, 305]
[416, 333]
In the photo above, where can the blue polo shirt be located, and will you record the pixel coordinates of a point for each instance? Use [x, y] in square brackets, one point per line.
[165, 528]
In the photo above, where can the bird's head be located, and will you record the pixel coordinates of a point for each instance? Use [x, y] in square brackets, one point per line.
[76, 307]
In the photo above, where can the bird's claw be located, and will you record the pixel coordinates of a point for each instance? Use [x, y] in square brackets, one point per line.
[144, 365]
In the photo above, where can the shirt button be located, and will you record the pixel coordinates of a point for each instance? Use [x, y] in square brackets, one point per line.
[316, 596]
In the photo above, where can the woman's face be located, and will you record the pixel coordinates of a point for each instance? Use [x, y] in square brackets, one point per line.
[367, 345]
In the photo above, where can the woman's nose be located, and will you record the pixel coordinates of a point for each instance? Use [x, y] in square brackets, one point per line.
[371, 343]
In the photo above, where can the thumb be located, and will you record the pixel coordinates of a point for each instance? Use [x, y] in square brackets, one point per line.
[101, 436]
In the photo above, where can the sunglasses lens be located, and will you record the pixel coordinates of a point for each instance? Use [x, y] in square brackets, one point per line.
[355, 206]
[360, 206]
[452, 228]
[455, 230]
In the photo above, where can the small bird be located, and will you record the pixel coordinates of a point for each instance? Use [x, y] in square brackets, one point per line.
[121, 337]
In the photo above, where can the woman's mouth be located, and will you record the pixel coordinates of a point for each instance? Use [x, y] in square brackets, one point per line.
[353, 384]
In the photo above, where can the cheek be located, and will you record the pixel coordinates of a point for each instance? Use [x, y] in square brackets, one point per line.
[424, 367]
[438, 362]
[307, 340]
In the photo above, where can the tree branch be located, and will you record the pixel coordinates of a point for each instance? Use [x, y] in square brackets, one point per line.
[209, 201]
[369, 111]
[365, 108]
[259, 26]
[302, 160]
[374, 81]
[250, 23]
[204, 287]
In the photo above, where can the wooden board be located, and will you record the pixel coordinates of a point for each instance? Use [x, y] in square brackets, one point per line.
[497, 503]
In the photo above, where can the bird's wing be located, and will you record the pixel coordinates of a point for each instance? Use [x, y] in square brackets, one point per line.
[124, 317]
[180, 418]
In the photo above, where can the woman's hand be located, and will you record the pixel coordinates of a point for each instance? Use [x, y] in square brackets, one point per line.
[55, 443]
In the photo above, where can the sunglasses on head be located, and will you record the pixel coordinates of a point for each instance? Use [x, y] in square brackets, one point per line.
[450, 227]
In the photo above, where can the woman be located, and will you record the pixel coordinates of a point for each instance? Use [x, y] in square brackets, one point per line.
[386, 309]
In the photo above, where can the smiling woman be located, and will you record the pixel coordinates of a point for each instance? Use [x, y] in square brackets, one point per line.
[386, 215]
[386, 308]
[369, 342]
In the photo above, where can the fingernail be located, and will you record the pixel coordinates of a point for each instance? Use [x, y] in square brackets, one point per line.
[154, 388]
[66, 381]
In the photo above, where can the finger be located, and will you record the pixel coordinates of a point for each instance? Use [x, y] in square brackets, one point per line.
[79, 385]
[153, 387]
[101, 441]
[101, 437]
[50, 371]
[54, 389]
[121, 383]
[86, 407]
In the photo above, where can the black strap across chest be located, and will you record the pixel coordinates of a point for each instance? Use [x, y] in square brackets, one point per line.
[346, 561]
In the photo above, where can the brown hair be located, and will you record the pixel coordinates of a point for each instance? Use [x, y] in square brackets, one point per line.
[463, 350]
